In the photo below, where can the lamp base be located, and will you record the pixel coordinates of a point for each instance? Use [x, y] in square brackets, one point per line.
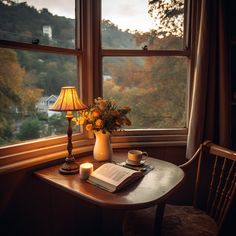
[69, 167]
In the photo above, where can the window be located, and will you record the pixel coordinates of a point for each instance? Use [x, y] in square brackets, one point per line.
[145, 60]
[128, 50]
[41, 22]
[31, 75]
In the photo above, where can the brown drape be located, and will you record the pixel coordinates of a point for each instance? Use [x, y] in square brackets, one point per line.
[210, 108]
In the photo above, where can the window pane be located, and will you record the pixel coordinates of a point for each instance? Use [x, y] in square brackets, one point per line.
[38, 22]
[29, 83]
[139, 23]
[154, 88]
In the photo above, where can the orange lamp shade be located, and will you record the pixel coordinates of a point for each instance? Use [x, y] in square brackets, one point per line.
[68, 100]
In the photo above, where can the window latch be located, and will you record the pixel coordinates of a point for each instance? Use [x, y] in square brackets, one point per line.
[145, 47]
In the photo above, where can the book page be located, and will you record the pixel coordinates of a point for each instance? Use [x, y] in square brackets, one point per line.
[112, 173]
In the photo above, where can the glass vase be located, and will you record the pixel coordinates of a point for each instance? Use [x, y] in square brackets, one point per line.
[102, 149]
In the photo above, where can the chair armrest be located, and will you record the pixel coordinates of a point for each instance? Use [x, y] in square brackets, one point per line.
[192, 161]
[184, 196]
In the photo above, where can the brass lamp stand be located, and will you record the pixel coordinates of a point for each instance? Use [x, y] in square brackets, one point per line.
[69, 166]
[68, 101]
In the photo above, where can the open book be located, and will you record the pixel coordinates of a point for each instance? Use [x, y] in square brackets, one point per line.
[112, 177]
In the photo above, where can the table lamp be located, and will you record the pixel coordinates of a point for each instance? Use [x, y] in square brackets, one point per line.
[68, 101]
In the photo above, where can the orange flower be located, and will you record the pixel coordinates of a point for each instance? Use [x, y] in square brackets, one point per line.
[89, 127]
[99, 123]
[102, 104]
[96, 113]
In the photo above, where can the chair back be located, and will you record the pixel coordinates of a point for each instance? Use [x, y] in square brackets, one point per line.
[215, 188]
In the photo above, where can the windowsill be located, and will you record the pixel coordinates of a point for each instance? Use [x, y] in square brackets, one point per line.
[29, 158]
[23, 164]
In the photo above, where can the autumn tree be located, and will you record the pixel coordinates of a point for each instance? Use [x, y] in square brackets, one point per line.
[154, 87]
[169, 15]
[30, 129]
[17, 92]
[159, 100]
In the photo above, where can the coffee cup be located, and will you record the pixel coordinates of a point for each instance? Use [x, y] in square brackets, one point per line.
[136, 156]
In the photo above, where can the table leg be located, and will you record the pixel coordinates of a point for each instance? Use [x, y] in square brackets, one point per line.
[158, 218]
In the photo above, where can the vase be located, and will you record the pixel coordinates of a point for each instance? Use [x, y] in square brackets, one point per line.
[102, 149]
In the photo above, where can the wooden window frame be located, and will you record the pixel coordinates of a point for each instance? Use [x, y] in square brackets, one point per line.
[90, 56]
[186, 52]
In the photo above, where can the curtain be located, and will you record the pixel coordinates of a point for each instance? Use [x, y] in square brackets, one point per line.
[210, 108]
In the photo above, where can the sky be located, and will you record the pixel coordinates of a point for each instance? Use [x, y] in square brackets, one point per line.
[128, 14]
[120, 12]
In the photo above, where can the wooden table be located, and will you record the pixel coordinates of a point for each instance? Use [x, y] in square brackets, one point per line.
[153, 189]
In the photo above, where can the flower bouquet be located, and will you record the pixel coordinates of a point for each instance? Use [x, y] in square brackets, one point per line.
[103, 117]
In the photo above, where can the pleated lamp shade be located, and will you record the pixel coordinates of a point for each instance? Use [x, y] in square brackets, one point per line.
[68, 100]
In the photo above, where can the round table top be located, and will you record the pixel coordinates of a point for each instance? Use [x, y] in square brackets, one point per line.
[154, 188]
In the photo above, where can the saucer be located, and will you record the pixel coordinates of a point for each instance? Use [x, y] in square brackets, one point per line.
[131, 163]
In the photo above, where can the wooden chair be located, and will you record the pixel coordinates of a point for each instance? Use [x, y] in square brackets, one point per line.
[213, 198]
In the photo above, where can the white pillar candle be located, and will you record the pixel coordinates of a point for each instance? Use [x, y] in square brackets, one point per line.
[85, 170]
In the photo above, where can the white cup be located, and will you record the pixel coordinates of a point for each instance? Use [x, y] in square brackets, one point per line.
[136, 156]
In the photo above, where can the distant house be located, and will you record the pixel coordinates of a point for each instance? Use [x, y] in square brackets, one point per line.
[107, 77]
[47, 30]
[45, 103]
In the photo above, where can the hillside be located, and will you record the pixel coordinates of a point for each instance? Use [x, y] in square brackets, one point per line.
[23, 23]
